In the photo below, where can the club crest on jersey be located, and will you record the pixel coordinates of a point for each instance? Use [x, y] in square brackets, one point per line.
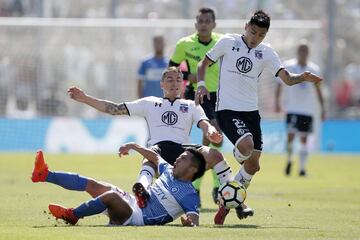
[184, 108]
[258, 54]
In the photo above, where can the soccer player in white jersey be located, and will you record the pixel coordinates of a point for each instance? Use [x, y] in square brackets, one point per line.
[299, 114]
[169, 121]
[242, 59]
[171, 195]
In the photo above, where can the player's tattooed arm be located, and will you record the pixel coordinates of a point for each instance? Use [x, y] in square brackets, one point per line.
[101, 105]
[292, 78]
[115, 109]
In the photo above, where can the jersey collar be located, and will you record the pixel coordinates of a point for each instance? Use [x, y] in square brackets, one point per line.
[204, 43]
[242, 38]
[172, 102]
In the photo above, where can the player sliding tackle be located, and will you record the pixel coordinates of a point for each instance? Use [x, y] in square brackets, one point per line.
[171, 195]
[169, 120]
[243, 58]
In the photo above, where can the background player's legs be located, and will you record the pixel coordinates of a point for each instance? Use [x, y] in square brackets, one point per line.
[289, 151]
[303, 155]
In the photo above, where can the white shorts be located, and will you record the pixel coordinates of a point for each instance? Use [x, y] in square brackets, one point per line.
[136, 218]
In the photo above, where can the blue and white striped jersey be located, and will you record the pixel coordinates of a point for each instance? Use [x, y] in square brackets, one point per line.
[169, 198]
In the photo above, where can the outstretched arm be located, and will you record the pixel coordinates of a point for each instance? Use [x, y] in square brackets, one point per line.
[99, 104]
[292, 78]
[210, 131]
[145, 152]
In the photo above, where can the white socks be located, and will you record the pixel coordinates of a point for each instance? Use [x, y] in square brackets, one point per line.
[223, 172]
[243, 177]
[303, 155]
[146, 176]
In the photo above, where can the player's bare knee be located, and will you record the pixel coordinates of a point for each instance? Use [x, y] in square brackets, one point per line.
[109, 197]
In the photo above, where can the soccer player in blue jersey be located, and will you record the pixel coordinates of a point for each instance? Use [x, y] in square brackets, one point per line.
[150, 70]
[171, 195]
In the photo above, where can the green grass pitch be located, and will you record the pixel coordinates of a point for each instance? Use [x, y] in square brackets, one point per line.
[324, 205]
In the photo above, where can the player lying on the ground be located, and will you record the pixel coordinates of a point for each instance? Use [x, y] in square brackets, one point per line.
[171, 195]
[169, 120]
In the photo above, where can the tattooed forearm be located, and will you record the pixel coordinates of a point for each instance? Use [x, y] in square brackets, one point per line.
[292, 78]
[115, 109]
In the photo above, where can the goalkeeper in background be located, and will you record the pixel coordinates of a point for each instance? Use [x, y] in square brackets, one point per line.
[192, 49]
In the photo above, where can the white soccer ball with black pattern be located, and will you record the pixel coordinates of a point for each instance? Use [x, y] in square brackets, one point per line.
[232, 194]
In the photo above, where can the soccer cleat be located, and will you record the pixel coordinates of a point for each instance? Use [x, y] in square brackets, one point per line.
[41, 170]
[141, 195]
[243, 211]
[215, 195]
[66, 214]
[288, 169]
[302, 173]
[220, 215]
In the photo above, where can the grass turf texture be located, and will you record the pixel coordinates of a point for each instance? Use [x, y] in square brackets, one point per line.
[324, 205]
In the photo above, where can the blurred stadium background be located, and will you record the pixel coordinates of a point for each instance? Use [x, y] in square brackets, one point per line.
[47, 46]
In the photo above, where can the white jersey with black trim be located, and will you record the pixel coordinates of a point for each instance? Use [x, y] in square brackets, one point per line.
[300, 98]
[240, 68]
[167, 120]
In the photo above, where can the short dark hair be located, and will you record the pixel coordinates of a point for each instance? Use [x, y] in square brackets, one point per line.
[260, 19]
[204, 11]
[199, 162]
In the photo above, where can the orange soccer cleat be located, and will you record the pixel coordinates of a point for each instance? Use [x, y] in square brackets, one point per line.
[221, 214]
[41, 170]
[66, 214]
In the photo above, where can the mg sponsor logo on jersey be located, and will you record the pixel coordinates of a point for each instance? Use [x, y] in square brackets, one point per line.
[169, 118]
[244, 64]
[184, 108]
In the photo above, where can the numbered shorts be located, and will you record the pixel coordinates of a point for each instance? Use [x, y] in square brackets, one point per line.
[299, 123]
[170, 151]
[237, 125]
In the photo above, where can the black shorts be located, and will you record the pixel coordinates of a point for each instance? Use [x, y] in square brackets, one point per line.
[299, 123]
[208, 105]
[236, 125]
[170, 151]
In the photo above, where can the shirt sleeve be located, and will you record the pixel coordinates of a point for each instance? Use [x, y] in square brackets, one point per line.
[163, 166]
[272, 62]
[190, 204]
[142, 71]
[179, 54]
[218, 50]
[198, 114]
[137, 107]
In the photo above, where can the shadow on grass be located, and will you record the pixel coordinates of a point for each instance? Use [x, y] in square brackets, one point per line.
[208, 210]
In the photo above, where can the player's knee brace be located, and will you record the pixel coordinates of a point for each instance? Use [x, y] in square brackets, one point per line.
[239, 156]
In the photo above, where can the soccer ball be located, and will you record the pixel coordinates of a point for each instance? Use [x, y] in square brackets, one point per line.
[232, 194]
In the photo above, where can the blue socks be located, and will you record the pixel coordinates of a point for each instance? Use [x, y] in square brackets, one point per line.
[91, 207]
[70, 181]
